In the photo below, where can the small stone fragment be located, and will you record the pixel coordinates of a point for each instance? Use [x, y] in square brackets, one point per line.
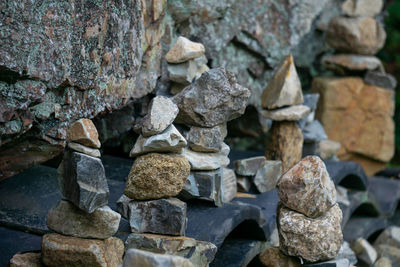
[170, 140]
[229, 184]
[307, 188]
[206, 139]
[268, 175]
[314, 240]
[161, 216]
[346, 252]
[84, 132]
[273, 257]
[243, 184]
[311, 101]
[26, 260]
[84, 149]
[66, 219]
[135, 257]
[343, 63]
[362, 8]
[183, 50]
[249, 166]
[327, 149]
[291, 113]
[82, 181]
[59, 250]
[284, 88]
[207, 161]
[154, 176]
[383, 262]
[184, 73]
[161, 113]
[380, 79]
[364, 251]
[390, 236]
[389, 252]
[314, 132]
[200, 253]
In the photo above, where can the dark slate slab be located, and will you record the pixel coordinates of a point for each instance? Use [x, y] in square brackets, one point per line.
[239, 154]
[387, 192]
[390, 173]
[362, 226]
[348, 174]
[361, 203]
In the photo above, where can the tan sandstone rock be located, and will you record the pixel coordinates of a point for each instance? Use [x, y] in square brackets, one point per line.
[29, 259]
[84, 132]
[273, 257]
[356, 8]
[183, 50]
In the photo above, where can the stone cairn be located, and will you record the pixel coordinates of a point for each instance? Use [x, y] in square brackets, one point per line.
[83, 222]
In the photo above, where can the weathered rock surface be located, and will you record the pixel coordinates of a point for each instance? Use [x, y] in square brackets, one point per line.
[380, 79]
[59, 250]
[183, 50]
[200, 253]
[170, 140]
[343, 63]
[207, 161]
[82, 181]
[314, 132]
[155, 176]
[206, 139]
[136, 257]
[346, 252]
[364, 251]
[286, 144]
[284, 89]
[29, 259]
[184, 73]
[363, 35]
[292, 113]
[161, 216]
[311, 101]
[390, 236]
[273, 257]
[268, 175]
[161, 113]
[212, 99]
[84, 149]
[312, 239]
[354, 113]
[249, 166]
[66, 219]
[327, 149]
[362, 8]
[229, 184]
[84, 132]
[307, 188]
[389, 252]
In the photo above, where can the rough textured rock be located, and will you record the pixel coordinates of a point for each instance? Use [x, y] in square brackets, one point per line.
[155, 176]
[346, 252]
[84, 149]
[286, 144]
[292, 113]
[200, 253]
[59, 250]
[206, 139]
[364, 251]
[229, 184]
[183, 50]
[161, 216]
[82, 181]
[327, 149]
[273, 257]
[380, 79]
[29, 259]
[362, 8]
[136, 257]
[66, 219]
[284, 88]
[161, 113]
[84, 132]
[312, 239]
[268, 175]
[354, 113]
[170, 140]
[184, 73]
[392, 253]
[207, 161]
[307, 188]
[212, 99]
[363, 35]
[344, 63]
[249, 166]
[390, 236]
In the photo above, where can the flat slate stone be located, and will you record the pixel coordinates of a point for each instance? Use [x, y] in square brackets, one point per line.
[363, 226]
[387, 193]
[348, 174]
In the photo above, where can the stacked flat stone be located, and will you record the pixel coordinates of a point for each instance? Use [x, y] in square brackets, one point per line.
[309, 218]
[186, 62]
[83, 222]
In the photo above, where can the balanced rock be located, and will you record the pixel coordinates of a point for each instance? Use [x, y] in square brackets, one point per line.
[362, 8]
[364, 251]
[66, 219]
[390, 236]
[273, 257]
[286, 144]
[84, 149]
[207, 161]
[268, 175]
[136, 257]
[229, 184]
[59, 250]
[380, 79]
[170, 140]
[292, 113]
[363, 35]
[284, 88]
[82, 181]
[84, 132]
[311, 239]
[29, 259]
[307, 188]
[155, 176]
[249, 166]
[206, 139]
[183, 50]
[161, 216]
[184, 73]
[344, 63]
[200, 253]
[161, 113]
[212, 99]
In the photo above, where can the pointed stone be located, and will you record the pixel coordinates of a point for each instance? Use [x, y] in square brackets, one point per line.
[84, 149]
[362, 8]
[268, 175]
[170, 140]
[84, 132]
[136, 257]
[207, 161]
[249, 166]
[284, 88]
[183, 50]
[206, 139]
[230, 186]
[243, 184]
[292, 113]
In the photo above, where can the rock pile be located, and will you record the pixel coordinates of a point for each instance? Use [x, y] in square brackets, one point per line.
[83, 222]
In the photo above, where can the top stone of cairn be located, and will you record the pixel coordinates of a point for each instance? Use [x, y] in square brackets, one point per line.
[85, 133]
[183, 50]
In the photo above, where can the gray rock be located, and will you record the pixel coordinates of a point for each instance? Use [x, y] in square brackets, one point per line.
[311, 101]
[346, 252]
[212, 99]
[327, 149]
[207, 161]
[362, 8]
[249, 166]
[206, 139]
[183, 50]
[364, 251]
[343, 63]
[314, 132]
[140, 258]
[161, 113]
[84, 149]
[342, 196]
[229, 184]
[389, 252]
[66, 219]
[161, 216]
[243, 184]
[82, 181]
[200, 253]
[170, 140]
[184, 73]
[380, 79]
[207, 185]
[390, 236]
[331, 263]
[268, 175]
[292, 113]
